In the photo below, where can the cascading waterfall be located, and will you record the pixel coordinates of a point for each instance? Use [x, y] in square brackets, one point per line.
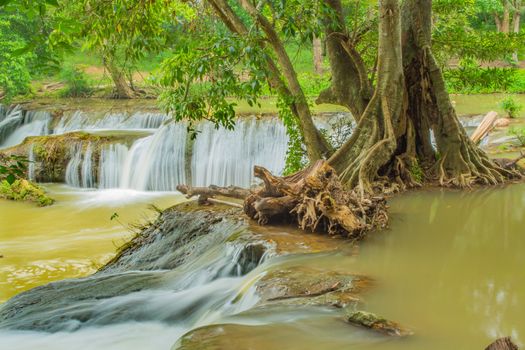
[31, 164]
[19, 124]
[222, 157]
[111, 164]
[79, 171]
[113, 121]
[9, 121]
[157, 162]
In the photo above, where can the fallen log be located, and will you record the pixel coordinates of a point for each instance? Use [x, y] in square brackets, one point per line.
[212, 191]
[486, 126]
[502, 344]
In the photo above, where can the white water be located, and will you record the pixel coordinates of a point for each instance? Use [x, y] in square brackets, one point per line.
[111, 164]
[222, 157]
[111, 121]
[79, 171]
[17, 125]
[219, 156]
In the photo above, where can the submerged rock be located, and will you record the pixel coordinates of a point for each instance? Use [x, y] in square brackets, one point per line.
[309, 286]
[376, 323]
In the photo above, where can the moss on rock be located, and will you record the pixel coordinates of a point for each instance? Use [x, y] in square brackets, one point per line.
[24, 190]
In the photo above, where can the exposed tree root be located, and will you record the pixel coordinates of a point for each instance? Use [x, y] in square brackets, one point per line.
[314, 198]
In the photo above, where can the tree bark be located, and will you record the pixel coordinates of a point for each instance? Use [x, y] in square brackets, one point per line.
[122, 89]
[350, 86]
[373, 143]
[505, 21]
[459, 161]
[516, 24]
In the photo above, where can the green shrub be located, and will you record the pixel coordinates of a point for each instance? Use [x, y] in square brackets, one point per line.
[519, 133]
[511, 107]
[470, 77]
[23, 190]
[77, 83]
[12, 167]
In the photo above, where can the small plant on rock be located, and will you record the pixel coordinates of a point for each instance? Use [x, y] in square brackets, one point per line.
[511, 107]
[519, 134]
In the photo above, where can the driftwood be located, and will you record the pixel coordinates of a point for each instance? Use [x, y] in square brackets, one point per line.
[502, 344]
[313, 198]
[486, 126]
[204, 193]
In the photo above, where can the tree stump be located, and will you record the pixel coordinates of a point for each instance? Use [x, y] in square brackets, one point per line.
[502, 344]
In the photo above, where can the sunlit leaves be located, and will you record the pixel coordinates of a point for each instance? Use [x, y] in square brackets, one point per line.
[202, 81]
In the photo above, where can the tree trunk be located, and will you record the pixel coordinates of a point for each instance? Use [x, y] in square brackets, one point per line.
[122, 89]
[505, 22]
[373, 143]
[350, 85]
[459, 161]
[317, 49]
[516, 25]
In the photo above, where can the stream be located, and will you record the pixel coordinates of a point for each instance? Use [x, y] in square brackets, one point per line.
[450, 266]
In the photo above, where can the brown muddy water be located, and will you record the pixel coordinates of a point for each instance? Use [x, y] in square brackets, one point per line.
[72, 238]
[451, 268]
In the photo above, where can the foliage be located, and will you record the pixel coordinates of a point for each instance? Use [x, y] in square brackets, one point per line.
[12, 168]
[77, 84]
[23, 190]
[295, 154]
[519, 133]
[199, 82]
[470, 77]
[14, 68]
[511, 107]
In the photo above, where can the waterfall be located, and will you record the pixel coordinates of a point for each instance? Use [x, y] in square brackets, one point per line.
[111, 164]
[157, 162]
[31, 164]
[111, 121]
[9, 121]
[79, 171]
[87, 168]
[18, 125]
[226, 157]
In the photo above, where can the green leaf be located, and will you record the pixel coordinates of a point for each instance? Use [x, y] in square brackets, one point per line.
[4, 2]
[10, 179]
[52, 2]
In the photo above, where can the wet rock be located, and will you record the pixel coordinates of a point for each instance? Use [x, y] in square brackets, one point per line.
[376, 323]
[310, 286]
[502, 123]
[502, 344]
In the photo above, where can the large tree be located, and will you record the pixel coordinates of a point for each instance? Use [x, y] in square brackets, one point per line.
[407, 130]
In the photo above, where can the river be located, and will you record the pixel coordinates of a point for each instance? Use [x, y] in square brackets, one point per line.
[449, 267]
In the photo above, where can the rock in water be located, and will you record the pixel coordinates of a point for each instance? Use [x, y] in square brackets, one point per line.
[376, 323]
[502, 344]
